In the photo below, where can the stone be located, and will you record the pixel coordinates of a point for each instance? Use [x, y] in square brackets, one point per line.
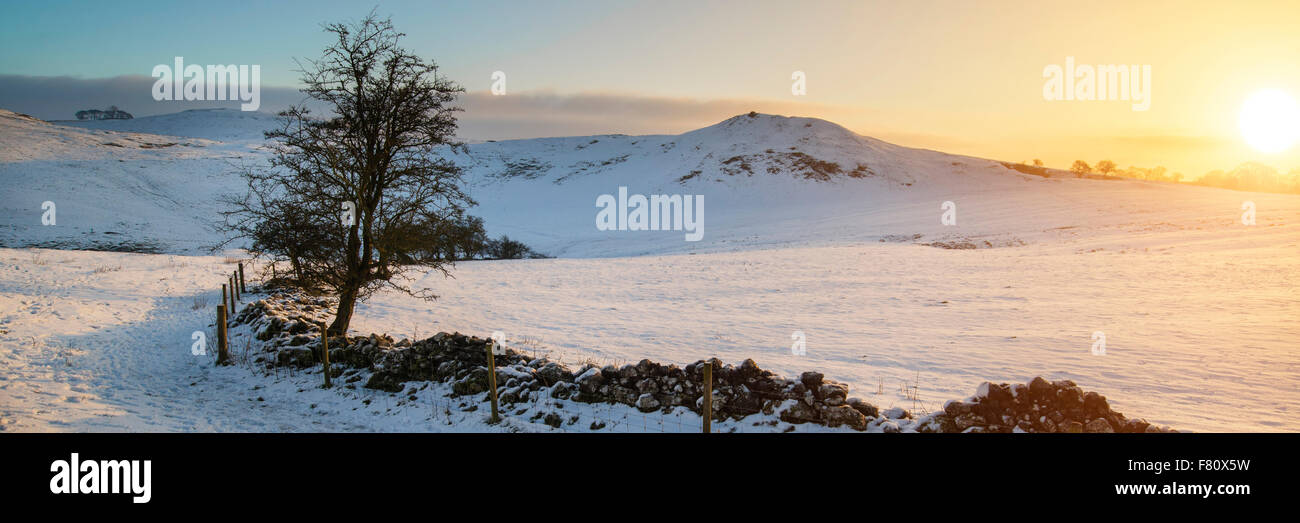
[835, 416]
[749, 370]
[296, 358]
[968, 420]
[563, 390]
[1098, 426]
[647, 385]
[473, 383]
[956, 408]
[1136, 426]
[898, 413]
[811, 380]
[865, 408]
[553, 373]
[647, 402]
[1095, 405]
[799, 412]
[1070, 397]
[591, 381]
[832, 393]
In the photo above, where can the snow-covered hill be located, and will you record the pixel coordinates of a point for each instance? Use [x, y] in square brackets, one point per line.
[765, 180]
[213, 124]
[112, 189]
[808, 228]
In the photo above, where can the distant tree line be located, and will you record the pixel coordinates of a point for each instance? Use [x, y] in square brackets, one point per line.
[289, 235]
[113, 113]
[467, 240]
[1249, 176]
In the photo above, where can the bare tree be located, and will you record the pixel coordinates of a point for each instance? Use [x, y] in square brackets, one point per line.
[356, 199]
[1106, 167]
[1080, 168]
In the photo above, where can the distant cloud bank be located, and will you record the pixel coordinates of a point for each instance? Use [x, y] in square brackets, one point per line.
[60, 97]
[515, 115]
[535, 114]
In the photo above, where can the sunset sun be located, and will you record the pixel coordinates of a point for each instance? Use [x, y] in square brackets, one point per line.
[1270, 121]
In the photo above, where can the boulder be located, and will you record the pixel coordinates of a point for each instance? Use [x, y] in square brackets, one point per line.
[897, 413]
[811, 380]
[647, 402]
[798, 412]
[832, 393]
[1098, 425]
[552, 373]
[865, 408]
[835, 416]
[956, 408]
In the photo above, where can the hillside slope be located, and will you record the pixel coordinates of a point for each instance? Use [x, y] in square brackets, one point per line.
[766, 181]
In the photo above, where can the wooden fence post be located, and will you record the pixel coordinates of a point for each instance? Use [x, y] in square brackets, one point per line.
[492, 380]
[242, 289]
[223, 350]
[708, 396]
[234, 290]
[325, 352]
[225, 298]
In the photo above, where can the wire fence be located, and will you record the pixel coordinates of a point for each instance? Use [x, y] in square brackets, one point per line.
[541, 411]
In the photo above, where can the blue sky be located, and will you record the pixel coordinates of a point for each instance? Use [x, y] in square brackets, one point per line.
[95, 39]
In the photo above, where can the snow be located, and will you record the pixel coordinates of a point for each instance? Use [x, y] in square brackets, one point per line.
[1198, 309]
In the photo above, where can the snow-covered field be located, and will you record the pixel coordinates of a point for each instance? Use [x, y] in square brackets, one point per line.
[1198, 310]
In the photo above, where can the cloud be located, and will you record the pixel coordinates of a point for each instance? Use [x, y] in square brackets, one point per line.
[541, 113]
[530, 114]
[515, 115]
[60, 97]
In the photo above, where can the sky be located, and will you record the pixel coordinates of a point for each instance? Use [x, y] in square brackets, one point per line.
[962, 77]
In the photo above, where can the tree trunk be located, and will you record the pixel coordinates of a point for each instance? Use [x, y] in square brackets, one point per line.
[343, 317]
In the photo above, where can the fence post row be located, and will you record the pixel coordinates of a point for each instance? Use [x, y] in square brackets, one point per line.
[223, 350]
[708, 396]
[325, 352]
[492, 380]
